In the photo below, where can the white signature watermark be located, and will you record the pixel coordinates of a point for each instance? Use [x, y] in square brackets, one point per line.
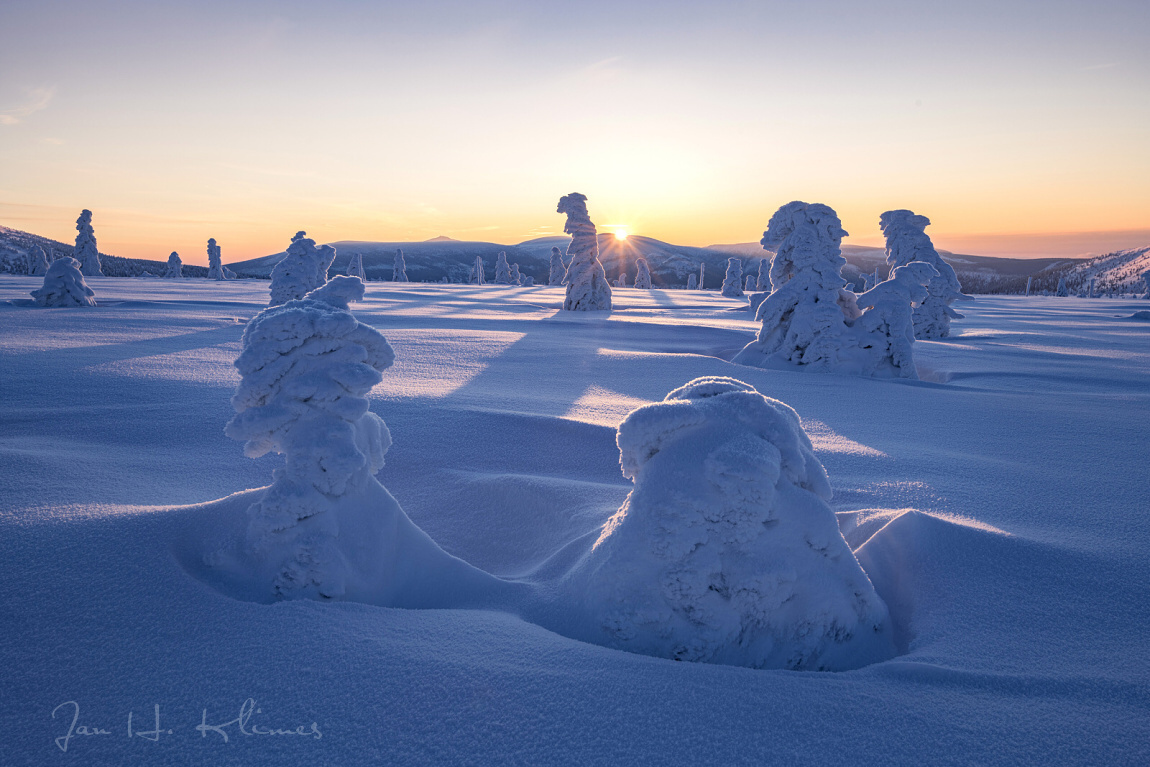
[245, 724]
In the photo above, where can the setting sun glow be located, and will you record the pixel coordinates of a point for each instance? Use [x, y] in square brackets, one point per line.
[620, 234]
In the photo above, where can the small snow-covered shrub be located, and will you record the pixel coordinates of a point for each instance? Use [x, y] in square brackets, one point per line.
[733, 280]
[399, 268]
[642, 274]
[86, 252]
[301, 270]
[64, 286]
[558, 270]
[587, 288]
[726, 550]
[906, 242]
[355, 267]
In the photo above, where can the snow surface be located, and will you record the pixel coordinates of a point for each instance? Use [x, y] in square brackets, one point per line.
[1012, 555]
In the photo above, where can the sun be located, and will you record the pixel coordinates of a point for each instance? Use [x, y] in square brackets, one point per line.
[620, 234]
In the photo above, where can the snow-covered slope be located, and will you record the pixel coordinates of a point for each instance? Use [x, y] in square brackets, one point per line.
[1117, 272]
[15, 246]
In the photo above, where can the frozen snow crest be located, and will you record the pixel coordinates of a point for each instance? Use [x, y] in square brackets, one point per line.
[86, 252]
[587, 288]
[301, 271]
[726, 550]
[558, 269]
[906, 242]
[64, 286]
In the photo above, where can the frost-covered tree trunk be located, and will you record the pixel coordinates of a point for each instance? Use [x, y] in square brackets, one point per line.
[303, 269]
[906, 242]
[86, 252]
[477, 277]
[702, 274]
[355, 267]
[558, 270]
[175, 267]
[502, 269]
[642, 274]
[216, 269]
[64, 286]
[885, 330]
[587, 288]
[726, 550]
[692, 282]
[399, 268]
[515, 278]
[38, 262]
[733, 280]
[763, 279]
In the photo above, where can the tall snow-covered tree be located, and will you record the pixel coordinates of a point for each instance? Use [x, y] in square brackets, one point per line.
[355, 267]
[702, 274]
[692, 281]
[38, 262]
[175, 267]
[907, 241]
[216, 270]
[1062, 289]
[587, 288]
[733, 281]
[642, 274]
[64, 286]
[477, 277]
[303, 269]
[502, 269]
[86, 252]
[763, 278]
[399, 268]
[558, 269]
[749, 285]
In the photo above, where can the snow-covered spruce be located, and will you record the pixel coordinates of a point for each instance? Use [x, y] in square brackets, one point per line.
[1062, 290]
[64, 286]
[726, 550]
[763, 277]
[301, 270]
[355, 267]
[805, 318]
[515, 278]
[502, 269]
[215, 262]
[477, 272]
[642, 274]
[38, 262]
[733, 280]
[907, 241]
[326, 528]
[692, 281]
[885, 331]
[175, 269]
[749, 284]
[86, 252]
[399, 268]
[558, 269]
[702, 274]
[587, 288]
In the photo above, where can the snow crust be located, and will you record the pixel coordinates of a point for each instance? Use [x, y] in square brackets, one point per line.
[906, 242]
[587, 288]
[86, 252]
[301, 271]
[733, 280]
[64, 286]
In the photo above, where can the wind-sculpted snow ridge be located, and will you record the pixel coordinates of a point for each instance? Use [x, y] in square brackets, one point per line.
[301, 271]
[587, 288]
[325, 528]
[907, 241]
[399, 268]
[86, 252]
[886, 327]
[732, 281]
[502, 269]
[642, 274]
[64, 286]
[216, 269]
[38, 262]
[175, 270]
[558, 270]
[355, 267]
[726, 551]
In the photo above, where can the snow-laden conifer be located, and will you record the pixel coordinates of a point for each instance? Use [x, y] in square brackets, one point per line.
[1062, 289]
[749, 284]
[1146, 279]
[64, 286]
[175, 268]
[515, 278]
[38, 262]
[763, 278]
[355, 267]
[477, 272]
[216, 269]
[907, 241]
[621, 280]
[726, 550]
[558, 270]
[733, 280]
[886, 328]
[86, 252]
[502, 269]
[399, 268]
[302, 270]
[587, 288]
[692, 281]
[642, 274]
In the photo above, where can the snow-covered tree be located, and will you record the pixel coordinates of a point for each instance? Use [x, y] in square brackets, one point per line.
[1146, 279]
[702, 274]
[726, 550]
[805, 318]
[527, 281]
[515, 278]
[621, 281]
[558, 269]
[763, 278]
[216, 269]
[64, 286]
[692, 281]
[733, 280]
[399, 268]
[86, 252]
[302, 270]
[38, 262]
[907, 241]
[355, 267]
[175, 267]
[1062, 289]
[642, 274]
[886, 328]
[477, 272]
[749, 285]
[587, 288]
[502, 269]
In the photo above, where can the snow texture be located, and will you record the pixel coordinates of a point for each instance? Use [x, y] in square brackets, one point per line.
[355, 267]
[907, 241]
[886, 329]
[587, 288]
[399, 268]
[38, 262]
[64, 286]
[216, 269]
[642, 274]
[86, 252]
[726, 551]
[692, 281]
[302, 270]
[733, 280]
[558, 270]
[175, 269]
[502, 269]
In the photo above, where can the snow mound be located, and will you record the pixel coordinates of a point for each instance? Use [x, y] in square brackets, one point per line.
[726, 550]
[1143, 315]
[64, 286]
[587, 288]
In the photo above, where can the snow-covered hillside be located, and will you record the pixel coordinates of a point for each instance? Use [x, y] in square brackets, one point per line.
[15, 246]
[1118, 272]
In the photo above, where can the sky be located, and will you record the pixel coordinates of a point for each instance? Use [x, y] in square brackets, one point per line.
[1019, 128]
